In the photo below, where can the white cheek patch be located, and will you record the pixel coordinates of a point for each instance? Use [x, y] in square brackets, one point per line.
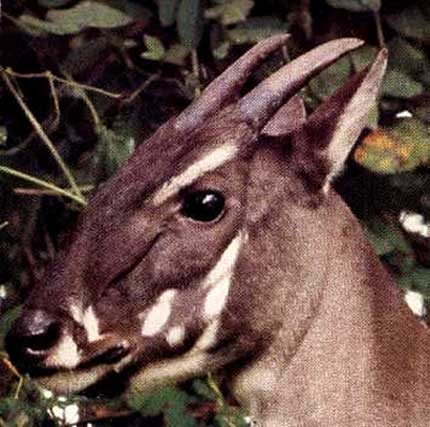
[219, 278]
[65, 355]
[76, 312]
[159, 314]
[175, 336]
[91, 324]
[205, 164]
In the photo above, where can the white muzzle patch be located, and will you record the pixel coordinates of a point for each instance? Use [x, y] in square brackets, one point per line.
[65, 355]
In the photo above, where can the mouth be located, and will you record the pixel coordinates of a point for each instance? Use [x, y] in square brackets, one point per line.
[107, 362]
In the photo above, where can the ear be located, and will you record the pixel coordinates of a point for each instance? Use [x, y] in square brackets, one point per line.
[322, 144]
[288, 118]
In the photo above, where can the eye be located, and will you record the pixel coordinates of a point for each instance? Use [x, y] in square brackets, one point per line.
[203, 206]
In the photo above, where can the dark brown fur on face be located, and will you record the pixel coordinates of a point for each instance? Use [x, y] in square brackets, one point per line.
[281, 277]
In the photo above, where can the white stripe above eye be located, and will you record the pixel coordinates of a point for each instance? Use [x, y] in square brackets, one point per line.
[205, 164]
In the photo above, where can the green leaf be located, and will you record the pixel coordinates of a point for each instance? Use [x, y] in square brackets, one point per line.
[400, 148]
[256, 29]
[356, 5]
[159, 400]
[167, 10]
[411, 22]
[112, 150]
[410, 59]
[86, 14]
[386, 238]
[53, 3]
[398, 84]
[176, 54]
[363, 56]
[156, 50]
[418, 279]
[230, 12]
[84, 55]
[331, 78]
[190, 23]
[6, 321]
[202, 389]
[405, 56]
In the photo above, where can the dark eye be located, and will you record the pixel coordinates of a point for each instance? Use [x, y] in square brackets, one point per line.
[204, 206]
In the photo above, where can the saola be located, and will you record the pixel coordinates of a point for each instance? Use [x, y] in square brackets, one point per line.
[220, 244]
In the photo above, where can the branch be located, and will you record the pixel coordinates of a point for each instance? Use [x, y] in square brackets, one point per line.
[44, 184]
[43, 136]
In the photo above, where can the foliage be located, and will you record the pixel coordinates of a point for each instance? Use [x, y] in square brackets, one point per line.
[85, 81]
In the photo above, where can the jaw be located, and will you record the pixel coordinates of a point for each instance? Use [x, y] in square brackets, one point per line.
[78, 380]
[154, 375]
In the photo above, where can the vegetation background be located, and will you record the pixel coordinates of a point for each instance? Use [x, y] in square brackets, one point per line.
[84, 81]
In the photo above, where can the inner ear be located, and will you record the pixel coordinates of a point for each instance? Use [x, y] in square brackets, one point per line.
[322, 145]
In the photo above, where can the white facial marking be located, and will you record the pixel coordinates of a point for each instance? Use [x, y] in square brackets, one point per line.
[87, 319]
[66, 354]
[76, 312]
[159, 314]
[175, 335]
[416, 303]
[91, 324]
[207, 163]
[208, 337]
[219, 278]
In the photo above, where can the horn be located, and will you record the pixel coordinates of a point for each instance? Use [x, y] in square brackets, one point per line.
[226, 86]
[259, 105]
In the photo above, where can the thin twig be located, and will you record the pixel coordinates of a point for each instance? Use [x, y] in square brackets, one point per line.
[12, 368]
[4, 224]
[44, 184]
[379, 30]
[133, 95]
[196, 70]
[55, 101]
[49, 75]
[39, 192]
[43, 136]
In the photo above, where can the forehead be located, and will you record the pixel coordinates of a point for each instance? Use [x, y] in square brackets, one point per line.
[167, 155]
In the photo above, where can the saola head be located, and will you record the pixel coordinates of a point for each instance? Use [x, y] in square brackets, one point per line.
[169, 263]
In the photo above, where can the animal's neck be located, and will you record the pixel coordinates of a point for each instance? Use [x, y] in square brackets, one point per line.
[360, 354]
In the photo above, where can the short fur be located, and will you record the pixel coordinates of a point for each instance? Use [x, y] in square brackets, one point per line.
[307, 326]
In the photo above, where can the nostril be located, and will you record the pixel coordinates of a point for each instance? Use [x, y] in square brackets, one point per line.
[42, 339]
[34, 334]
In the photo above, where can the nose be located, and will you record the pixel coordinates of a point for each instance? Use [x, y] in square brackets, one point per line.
[32, 337]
